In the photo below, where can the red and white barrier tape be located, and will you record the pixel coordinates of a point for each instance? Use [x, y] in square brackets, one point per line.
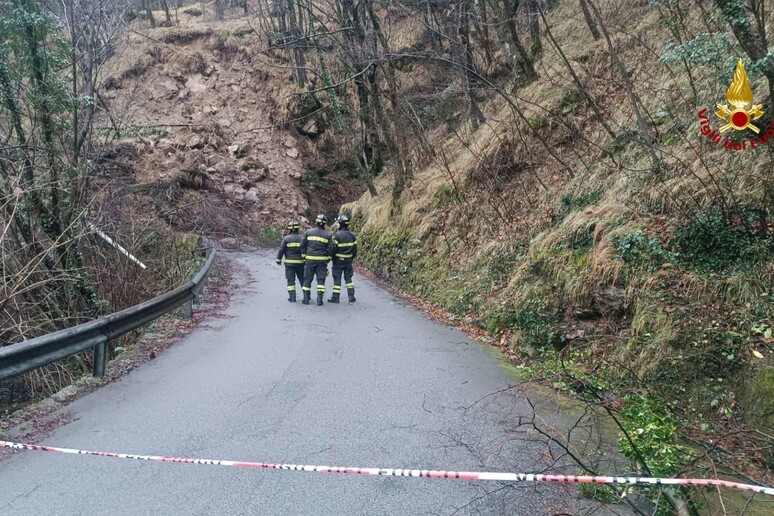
[420, 473]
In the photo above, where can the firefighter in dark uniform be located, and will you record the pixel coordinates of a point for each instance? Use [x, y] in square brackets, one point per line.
[317, 249]
[344, 252]
[290, 248]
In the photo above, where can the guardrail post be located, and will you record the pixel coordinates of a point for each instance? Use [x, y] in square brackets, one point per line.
[187, 309]
[100, 359]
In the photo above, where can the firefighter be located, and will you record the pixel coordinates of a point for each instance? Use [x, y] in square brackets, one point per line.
[290, 248]
[344, 252]
[317, 249]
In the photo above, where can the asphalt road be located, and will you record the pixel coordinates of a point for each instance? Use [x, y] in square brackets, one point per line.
[373, 384]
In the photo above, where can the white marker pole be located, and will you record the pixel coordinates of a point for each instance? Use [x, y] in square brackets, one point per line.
[117, 246]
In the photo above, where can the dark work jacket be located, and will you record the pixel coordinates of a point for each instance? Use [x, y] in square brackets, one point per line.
[344, 247]
[317, 245]
[290, 248]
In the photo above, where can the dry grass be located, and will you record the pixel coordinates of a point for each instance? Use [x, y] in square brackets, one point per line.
[694, 175]
[189, 62]
[407, 34]
[653, 331]
[740, 288]
[178, 36]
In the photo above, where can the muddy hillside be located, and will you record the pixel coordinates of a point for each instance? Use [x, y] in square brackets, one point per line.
[214, 131]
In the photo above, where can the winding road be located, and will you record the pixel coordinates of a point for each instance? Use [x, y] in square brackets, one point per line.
[373, 384]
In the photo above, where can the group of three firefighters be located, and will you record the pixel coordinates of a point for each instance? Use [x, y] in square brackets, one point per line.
[307, 256]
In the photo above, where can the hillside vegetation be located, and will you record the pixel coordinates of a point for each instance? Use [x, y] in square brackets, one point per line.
[594, 234]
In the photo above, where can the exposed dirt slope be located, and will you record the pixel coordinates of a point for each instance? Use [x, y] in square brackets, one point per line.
[200, 108]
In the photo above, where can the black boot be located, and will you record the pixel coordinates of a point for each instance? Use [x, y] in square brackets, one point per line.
[292, 296]
[334, 298]
[351, 294]
[307, 297]
[320, 296]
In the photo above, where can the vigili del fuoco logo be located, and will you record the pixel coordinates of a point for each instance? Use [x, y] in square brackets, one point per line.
[740, 116]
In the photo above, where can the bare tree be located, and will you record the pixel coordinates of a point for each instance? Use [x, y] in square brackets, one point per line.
[589, 19]
[534, 12]
[483, 14]
[520, 58]
[476, 116]
[167, 15]
[149, 13]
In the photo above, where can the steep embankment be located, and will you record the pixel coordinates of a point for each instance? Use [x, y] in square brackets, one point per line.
[607, 262]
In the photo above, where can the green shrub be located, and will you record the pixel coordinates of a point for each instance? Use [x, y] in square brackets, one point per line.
[192, 11]
[535, 319]
[313, 180]
[269, 236]
[570, 202]
[571, 99]
[713, 50]
[501, 264]
[307, 105]
[720, 353]
[709, 242]
[582, 240]
[537, 122]
[652, 428]
[445, 196]
[251, 165]
[243, 31]
[637, 248]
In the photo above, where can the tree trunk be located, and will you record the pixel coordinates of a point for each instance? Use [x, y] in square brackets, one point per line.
[280, 10]
[432, 22]
[167, 15]
[405, 170]
[219, 7]
[642, 124]
[533, 17]
[486, 41]
[297, 34]
[149, 13]
[369, 137]
[51, 221]
[74, 72]
[589, 20]
[521, 58]
[471, 80]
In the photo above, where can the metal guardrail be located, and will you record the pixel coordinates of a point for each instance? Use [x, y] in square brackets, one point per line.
[46, 349]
